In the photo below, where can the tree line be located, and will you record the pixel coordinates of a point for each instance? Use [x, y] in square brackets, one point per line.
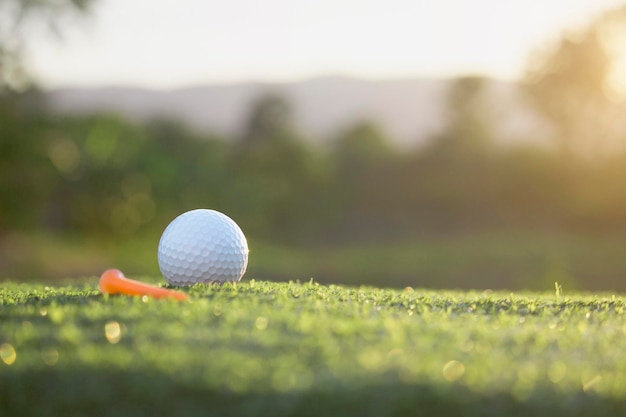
[104, 175]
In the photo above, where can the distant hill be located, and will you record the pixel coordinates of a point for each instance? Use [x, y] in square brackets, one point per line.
[409, 110]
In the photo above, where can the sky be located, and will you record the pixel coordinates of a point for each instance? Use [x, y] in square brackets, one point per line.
[177, 43]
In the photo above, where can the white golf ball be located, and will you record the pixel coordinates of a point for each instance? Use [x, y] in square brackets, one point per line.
[202, 246]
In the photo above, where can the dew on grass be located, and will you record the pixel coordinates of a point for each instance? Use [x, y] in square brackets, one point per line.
[296, 377]
[453, 370]
[113, 332]
[71, 333]
[591, 382]
[330, 337]
[556, 372]
[217, 310]
[55, 315]
[50, 356]
[8, 354]
[370, 359]
[260, 323]
[394, 353]
[467, 346]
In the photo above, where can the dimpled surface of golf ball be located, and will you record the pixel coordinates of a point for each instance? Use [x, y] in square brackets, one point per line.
[202, 246]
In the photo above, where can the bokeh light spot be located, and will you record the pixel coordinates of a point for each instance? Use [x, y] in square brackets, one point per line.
[64, 155]
[591, 382]
[50, 356]
[8, 354]
[113, 332]
[261, 323]
[556, 372]
[453, 370]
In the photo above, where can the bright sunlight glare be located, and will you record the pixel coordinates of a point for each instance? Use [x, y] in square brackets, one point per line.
[615, 39]
[172, 43]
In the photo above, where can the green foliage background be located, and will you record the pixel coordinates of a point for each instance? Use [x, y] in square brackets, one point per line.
[81, 193]
[92, 192]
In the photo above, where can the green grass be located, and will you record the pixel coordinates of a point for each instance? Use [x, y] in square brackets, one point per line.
[283, 349]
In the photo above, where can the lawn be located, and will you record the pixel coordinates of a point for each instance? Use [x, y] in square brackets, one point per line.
[284, 349]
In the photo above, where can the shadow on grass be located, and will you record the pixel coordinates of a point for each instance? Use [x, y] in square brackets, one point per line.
[102, 392]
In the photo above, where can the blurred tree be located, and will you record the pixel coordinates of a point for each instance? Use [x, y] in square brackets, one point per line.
[569, 85]
[90, 158]
[18, 18]
[468, 123]
[278, 175]
[467, 138]
[116, 177]
[186, 170]
[453, 177]
[359, 147]
[27, 172]
[270, 120]
[360, 154]
[364, 189]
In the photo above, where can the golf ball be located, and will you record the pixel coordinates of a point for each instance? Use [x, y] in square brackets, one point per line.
[202, 246]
